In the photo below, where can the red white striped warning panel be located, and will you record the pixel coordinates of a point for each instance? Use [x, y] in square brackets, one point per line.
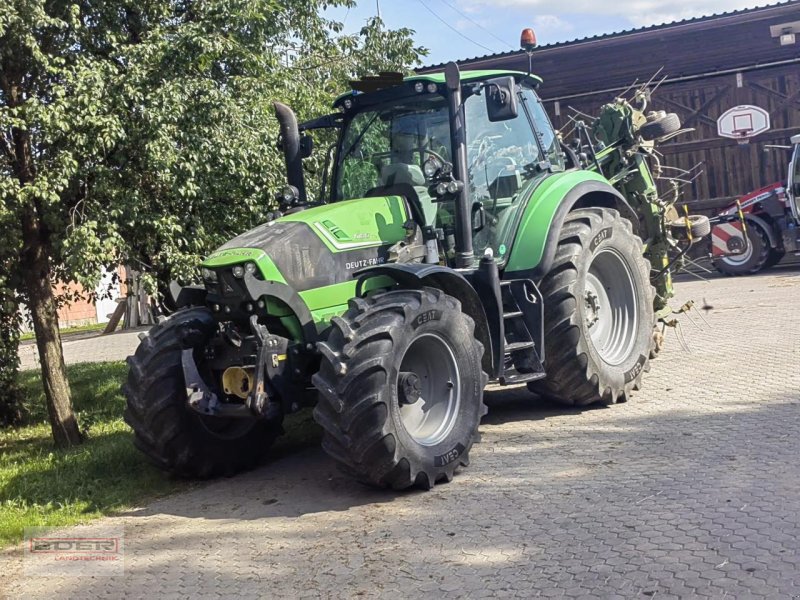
[727, 238]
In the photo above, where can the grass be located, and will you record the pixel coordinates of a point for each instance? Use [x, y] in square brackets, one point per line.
[41, 486]
[30, 335]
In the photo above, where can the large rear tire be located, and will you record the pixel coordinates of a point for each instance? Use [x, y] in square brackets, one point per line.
[598, 311]
[174, 437]
[401, 388]
[754, 259]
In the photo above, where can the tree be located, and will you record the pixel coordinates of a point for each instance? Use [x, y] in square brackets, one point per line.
[143, 132]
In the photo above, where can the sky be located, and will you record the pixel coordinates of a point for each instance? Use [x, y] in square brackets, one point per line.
[458, 29]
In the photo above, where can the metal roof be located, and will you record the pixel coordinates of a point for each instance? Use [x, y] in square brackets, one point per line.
[617, 34]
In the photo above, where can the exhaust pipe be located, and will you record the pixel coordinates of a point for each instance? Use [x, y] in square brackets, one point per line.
[290, 142]
[465, 254]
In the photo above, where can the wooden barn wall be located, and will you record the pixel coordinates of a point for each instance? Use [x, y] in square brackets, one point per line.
[730, 169]
[692, 51]
[696, 47]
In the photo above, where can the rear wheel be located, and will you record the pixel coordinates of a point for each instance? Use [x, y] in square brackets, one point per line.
[599, 317]
[173, 436]
[401, 388]
[752, 260]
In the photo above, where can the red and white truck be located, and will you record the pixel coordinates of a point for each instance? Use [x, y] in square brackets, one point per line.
[768, 227]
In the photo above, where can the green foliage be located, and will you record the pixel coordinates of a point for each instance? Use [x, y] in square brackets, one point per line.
[142, 132]
[152, 122]
[10, 408]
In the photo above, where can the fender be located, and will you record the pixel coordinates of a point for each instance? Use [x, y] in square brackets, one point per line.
[535, 243]
[188, 295]
[418, 275]
[765, 227]
[257, 289]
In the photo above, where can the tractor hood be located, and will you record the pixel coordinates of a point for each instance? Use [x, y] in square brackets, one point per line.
[319, 246]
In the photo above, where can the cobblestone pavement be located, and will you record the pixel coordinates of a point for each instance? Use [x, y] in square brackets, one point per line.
[86, 347]
[688, 490]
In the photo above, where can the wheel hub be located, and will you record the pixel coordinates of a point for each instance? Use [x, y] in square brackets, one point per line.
[746, 252]
[611, 306]
[409, 387]
[428, 389]
[592, 308]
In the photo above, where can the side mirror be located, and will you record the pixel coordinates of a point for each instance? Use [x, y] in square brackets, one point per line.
[306, 145]
[478, 217]
[501, 99]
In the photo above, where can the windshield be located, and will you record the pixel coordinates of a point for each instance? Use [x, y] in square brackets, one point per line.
[504, 159]
[793, 191]
[388, 145]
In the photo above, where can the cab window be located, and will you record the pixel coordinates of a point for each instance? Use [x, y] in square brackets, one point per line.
[544, 129]
[503, 160]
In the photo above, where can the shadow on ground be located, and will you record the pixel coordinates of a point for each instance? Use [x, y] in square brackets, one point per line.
[597, 506]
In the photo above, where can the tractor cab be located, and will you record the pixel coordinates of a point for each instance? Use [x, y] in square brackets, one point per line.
[793, 187]
[397, 138]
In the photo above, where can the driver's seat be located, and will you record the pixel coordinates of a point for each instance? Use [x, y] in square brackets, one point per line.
[412, 175]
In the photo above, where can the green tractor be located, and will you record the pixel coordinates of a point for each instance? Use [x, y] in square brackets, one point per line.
[460, 242]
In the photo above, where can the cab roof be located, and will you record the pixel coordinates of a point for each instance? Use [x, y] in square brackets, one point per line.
[438, 79]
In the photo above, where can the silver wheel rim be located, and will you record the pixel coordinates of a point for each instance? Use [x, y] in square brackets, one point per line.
[611, 306]
[430, 418]
[739, 259]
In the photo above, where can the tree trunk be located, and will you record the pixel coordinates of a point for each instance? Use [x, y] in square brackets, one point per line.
[42, 304]
[35, 264]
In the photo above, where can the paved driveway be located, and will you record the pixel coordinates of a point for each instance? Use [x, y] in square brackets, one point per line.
[86, 347]
[689, 490]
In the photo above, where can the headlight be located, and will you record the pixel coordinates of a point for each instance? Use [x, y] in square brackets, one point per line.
[431, 167]
[238, 271]
[250, 267]
[289, 195]
[209, 275]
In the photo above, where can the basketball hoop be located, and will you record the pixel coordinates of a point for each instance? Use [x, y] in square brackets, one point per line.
[743, 122]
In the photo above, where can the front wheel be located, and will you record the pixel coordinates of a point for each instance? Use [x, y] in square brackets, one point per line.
[752, 260]
[174, 437]
[598, 311]
[401, 388]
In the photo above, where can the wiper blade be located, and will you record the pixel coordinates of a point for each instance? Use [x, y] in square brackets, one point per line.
[360, 135]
